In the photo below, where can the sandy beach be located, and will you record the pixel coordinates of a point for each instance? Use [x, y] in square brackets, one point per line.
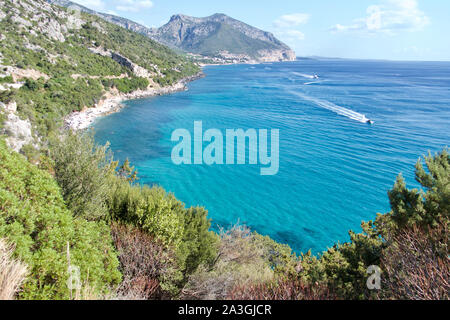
[113, 103]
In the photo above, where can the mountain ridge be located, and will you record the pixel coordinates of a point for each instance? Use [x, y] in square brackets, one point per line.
[217, 38]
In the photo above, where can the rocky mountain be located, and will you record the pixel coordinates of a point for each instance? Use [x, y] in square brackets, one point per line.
[223, 37]
[218, 38]
[123, 22]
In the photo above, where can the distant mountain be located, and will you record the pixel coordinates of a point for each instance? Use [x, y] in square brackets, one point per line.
[222, 36]
[218, 37]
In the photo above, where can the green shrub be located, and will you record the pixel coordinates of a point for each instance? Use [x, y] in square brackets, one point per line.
[126, 85]
[34, 217]
[151, 209]
[161, 215]
[82, 170]
[7, 79]
[199, 244]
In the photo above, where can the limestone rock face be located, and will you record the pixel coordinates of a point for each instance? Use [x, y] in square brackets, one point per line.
[18, 131]
[124, 61]
[137, 70]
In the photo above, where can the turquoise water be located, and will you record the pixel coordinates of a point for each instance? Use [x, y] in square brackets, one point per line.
[334, 170]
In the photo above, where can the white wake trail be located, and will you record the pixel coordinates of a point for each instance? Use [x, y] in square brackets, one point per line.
[307, 76]
[334, 108]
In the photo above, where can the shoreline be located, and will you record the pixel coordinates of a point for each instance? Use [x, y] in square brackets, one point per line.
[81, 120]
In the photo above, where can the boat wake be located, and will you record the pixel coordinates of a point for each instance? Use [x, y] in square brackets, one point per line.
[307, 76]
[353, 115]
[312, 82]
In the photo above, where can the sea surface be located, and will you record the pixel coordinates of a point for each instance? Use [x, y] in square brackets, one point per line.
[335, 169]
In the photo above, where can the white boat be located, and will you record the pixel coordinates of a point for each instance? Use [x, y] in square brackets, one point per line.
[368, 121]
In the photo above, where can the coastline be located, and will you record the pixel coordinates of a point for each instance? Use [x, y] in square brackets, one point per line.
[112, 103]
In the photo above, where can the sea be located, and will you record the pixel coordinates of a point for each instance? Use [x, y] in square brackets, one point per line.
[335, 169]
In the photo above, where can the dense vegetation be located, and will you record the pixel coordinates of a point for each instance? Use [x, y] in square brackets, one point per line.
[35, 218]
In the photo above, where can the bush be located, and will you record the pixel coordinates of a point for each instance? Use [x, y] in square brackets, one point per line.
[147, 265]
[82, 170]
[241, 260]
[162, 216]
[416, 265]
[199, 245]
[151, 209]
[85, 173]
[35, 218]
[7, 79]
[126, 85]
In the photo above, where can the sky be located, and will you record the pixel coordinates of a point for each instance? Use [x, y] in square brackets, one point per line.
[358, 29]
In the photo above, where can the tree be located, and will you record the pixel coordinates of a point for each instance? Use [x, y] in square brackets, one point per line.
[416, 265]
[127, 172]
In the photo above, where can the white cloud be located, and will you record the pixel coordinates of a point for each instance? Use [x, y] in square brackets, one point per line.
[388, 17]
[286, 27]
[133, 5]
[291, 20]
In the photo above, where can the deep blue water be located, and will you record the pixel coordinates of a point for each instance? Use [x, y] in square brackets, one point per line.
[334, 170]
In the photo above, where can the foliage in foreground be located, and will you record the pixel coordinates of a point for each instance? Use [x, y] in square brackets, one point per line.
[82, 170]
[95, 188]
[416, 266]
[243, 258]
[144, 262]
[284, 289]
[35, 218]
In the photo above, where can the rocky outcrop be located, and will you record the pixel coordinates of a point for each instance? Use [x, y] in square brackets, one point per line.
[120, 21]
[138, 71]
[17, 131]
[276, 55]
[40, 17]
